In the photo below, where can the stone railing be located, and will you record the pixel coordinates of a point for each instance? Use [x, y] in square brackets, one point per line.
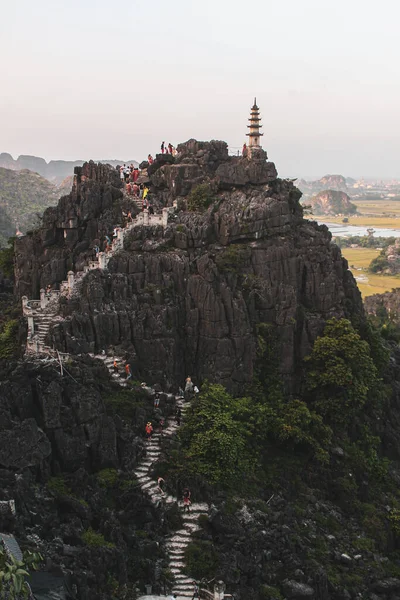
[218, 593]
[47, 305]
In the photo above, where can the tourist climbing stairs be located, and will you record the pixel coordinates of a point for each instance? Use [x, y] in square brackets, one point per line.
[41, 313]
[109, 363]
[177, 543]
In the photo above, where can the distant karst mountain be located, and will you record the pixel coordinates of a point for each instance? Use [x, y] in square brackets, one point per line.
[332, 202]
[327, 182]
[24, 196]
[55, 171]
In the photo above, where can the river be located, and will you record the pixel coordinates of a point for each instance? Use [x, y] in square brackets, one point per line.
[343, 230]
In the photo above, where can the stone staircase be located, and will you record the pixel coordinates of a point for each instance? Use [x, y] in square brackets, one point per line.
[109, 363]
[41, 313]
[178, 541]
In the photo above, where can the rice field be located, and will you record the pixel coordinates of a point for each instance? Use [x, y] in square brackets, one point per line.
[368, 283]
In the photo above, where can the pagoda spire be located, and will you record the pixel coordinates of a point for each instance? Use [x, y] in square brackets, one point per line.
[254, 127]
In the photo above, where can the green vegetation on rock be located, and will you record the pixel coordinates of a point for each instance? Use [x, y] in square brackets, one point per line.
[201, 560]
[200, 197]
[95, 539]
[9, 347]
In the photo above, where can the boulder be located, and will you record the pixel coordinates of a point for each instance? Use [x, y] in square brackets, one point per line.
[295, 589]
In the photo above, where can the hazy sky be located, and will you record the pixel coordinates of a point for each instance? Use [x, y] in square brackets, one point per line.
[99, 79]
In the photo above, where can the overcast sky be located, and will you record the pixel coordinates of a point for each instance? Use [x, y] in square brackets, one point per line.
[99, 79]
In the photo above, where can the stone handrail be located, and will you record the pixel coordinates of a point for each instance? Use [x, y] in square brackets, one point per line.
[46, 304]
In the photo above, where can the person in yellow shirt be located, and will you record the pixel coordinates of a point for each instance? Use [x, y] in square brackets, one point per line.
[145, 192]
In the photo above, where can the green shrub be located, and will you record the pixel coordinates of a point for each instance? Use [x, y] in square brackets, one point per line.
[107, 478]
[9, 339]
[364, 543]
[201, 560]
[125, 402]
[58, 486]
[234, 258]
[95, 539]
[268, 592]
[128, 484]
[200, 197]
[203, 521]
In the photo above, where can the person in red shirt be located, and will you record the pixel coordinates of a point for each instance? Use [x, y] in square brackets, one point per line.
[149, 430]
[128, 371]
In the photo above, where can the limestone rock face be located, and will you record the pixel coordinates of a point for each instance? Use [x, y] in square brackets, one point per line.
[188, 299]
[332, 202]
[199, 162]
[243, 171]
[69, 231]
[25, 445]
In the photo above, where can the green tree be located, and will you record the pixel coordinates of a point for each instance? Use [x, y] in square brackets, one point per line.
[13, 574]
[215, 436]
[340, 372]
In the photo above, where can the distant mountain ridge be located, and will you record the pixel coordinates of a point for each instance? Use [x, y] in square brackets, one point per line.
[327, 182]
[55, 170]
[23, 196]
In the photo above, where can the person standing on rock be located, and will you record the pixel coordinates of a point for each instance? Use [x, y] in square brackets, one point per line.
[244, 150]
[115, 367]
[157, 400]
[150, 159]
[122, 173]
[196, 591]
[163, 148]
[135, 190]
[178, 416]
[128, 371]
[170, 148]
[135, 175]
[161, 485]
[149, 430]
[186, 500]
[189, 389]
[145, 192]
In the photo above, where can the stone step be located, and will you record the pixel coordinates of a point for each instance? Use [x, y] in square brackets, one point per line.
[140, 470]
[178, 552]
[144, 478]
[182, 579]
[148, 486]
[176, 564]
[176, 541]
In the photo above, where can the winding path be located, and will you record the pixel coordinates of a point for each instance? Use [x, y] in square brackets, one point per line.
[179, 540]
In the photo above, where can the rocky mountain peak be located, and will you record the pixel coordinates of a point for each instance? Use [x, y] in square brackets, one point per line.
[188, 297]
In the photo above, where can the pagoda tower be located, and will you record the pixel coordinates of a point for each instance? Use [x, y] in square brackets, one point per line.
[254, 127]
